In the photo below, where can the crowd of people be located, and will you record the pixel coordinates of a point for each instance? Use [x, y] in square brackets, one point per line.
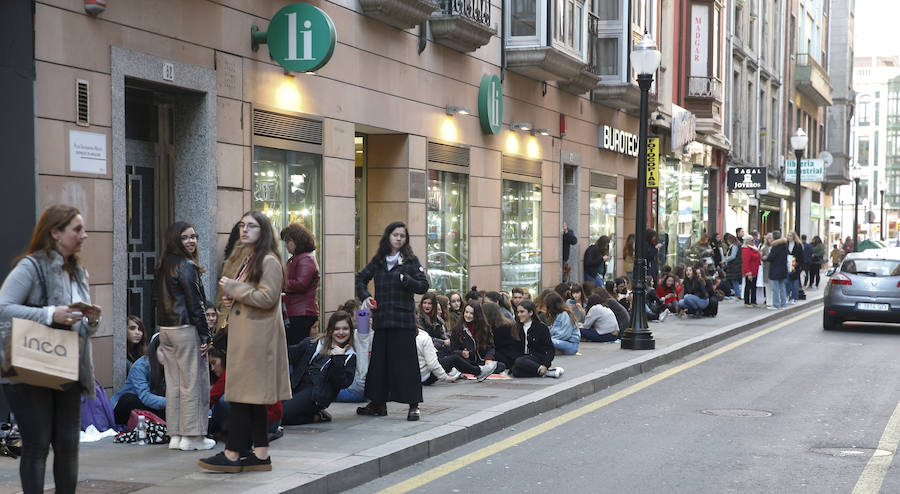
[282, 369]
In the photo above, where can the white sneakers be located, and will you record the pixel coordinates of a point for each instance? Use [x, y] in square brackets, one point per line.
[454, 374]
[175, 442]
[192, 443]
[556, 372]
[487, 369]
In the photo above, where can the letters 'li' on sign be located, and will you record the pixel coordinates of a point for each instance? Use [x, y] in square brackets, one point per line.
[490, 104]
[653, 162]
[301, 37]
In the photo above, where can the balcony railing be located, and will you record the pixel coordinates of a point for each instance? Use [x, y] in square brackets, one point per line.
[812, 80]
[805, 59]
[476, 10]
[705, 87]
[593, 52]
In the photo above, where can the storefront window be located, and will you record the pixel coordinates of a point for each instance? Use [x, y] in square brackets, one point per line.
[359, 186]
[676, 211]
[603, 222]
[447, 230]
[521, 236]
[286, 188]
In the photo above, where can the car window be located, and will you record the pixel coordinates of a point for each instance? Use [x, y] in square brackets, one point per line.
[871, 267]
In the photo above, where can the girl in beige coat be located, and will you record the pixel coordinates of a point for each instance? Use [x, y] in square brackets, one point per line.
[257, 366]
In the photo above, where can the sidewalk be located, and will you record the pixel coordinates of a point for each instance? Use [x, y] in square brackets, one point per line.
[353, 450]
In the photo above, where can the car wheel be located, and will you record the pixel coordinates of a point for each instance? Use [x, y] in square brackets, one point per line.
[829, 323]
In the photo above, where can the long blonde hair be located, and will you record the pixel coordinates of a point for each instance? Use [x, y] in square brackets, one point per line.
[55, 217]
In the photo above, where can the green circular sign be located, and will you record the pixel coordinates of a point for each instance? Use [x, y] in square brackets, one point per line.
[301, 37]
[490, 104]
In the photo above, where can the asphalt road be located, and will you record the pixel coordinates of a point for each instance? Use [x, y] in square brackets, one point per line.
[789, 408]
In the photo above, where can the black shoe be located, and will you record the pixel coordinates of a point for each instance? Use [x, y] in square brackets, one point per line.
[221, 463]
[321, 416]
[279, 432]
[413, 415]
[372, 410]
[253, 464]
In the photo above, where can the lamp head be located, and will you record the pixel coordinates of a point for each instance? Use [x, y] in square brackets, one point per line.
[799, 140]
[457, 110]
[645, 57]
[523, 126]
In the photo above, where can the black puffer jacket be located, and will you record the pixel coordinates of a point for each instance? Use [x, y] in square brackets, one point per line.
[335, 374]
[180, 299]
[733, 268]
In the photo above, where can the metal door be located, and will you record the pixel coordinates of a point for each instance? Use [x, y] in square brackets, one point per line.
[141, 243]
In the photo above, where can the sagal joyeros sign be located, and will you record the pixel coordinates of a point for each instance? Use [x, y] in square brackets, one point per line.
[746, 178]
[618, 141]
[301, 37]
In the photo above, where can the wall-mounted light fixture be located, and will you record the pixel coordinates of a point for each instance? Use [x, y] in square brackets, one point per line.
[457, 110]
[542, 132]
[523, 126]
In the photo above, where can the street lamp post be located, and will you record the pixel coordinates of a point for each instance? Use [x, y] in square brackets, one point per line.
[798, 144]
[881, 221]
[645, 58]
[856, 173]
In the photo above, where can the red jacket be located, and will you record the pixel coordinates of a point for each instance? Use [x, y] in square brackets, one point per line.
[667, 294]
[750, 261]
[273, 412]
[302, 282]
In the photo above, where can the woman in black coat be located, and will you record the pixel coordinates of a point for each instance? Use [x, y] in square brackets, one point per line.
[394, 363]
[509, 339]
[539, 349]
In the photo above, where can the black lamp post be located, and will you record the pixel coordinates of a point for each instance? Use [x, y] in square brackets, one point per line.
[881, 221]
[798, 144]
[645, 59]
[856, 211]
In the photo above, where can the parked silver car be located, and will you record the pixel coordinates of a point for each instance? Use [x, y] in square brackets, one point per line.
[865, 287]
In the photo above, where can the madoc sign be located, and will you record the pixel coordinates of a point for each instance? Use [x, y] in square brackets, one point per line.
[618, 141]
[746, 178]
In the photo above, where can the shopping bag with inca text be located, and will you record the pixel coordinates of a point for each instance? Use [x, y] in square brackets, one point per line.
[42, 356]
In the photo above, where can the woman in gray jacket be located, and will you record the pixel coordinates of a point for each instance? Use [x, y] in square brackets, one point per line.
[43, 286]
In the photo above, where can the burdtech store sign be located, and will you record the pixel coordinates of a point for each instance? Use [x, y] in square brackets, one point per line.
[618, 141]
[301, 37]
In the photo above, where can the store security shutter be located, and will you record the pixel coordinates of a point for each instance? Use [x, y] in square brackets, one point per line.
[522, 166]
[603, 181]
[450, 155]
[287, 127]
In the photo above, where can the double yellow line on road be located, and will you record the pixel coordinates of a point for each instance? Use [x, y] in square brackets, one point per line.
[464, 461]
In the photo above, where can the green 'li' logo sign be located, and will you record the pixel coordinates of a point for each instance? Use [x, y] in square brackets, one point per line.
[301, 37]
[490, 104]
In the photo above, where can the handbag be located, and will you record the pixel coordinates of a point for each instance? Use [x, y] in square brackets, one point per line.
[40, 355]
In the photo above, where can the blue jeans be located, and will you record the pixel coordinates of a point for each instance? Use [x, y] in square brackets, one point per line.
[693, 303]
[597, 280]
[565, 347]
[347, 396]
[795, 289]
[736, 287]
[779, 294]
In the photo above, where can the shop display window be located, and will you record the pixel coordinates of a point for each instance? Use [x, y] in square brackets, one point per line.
[447, 230]
[603, 222]
[286, 188]
[521, 236]
[682, 209]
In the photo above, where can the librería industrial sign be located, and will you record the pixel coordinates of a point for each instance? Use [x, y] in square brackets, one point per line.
[618, 141]
[746, 178]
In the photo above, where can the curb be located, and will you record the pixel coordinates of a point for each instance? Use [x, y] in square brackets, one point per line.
[370, 464]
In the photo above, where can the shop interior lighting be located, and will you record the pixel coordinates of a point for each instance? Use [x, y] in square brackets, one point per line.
[457, 110]
[543, 132]
[523, 126]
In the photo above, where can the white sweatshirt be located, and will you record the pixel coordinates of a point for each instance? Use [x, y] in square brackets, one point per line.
[428, 359]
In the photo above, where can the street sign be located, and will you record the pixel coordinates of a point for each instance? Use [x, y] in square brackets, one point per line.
[810, 170]
[301, 37]
[490, 104]
[652, 162]
[746, 178]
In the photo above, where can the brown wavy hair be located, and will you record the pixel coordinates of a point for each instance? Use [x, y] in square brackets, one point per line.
[303, 239]
[55, 217]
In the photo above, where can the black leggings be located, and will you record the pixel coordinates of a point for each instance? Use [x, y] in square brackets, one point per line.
[814, 274]
[301, 407]
[130, 401]
[246, 424]
[461, 364]
[47, 417]
[526, 366]
[750, 290]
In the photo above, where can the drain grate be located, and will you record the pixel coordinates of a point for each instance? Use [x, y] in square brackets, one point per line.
[737, 412]
[94, 486]
[851, 452]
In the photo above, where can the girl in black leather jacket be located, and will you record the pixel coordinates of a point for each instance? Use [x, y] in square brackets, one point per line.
[184, 337]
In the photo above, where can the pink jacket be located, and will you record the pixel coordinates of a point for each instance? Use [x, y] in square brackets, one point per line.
[302, 282]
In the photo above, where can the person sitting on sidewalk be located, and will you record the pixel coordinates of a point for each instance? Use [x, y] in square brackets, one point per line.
[429, 365]
[600, 324]
[669, 291]
[362, 342]
[321, 366]
[145, 386]
[219, 408]
[654, 306]
[509, 342]
[622, 315]
[472, 346]
[564, 333]
[432, 323]
[696, 296]
[539, 349]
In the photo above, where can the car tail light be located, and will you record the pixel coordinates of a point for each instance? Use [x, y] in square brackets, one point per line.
[840, 279]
